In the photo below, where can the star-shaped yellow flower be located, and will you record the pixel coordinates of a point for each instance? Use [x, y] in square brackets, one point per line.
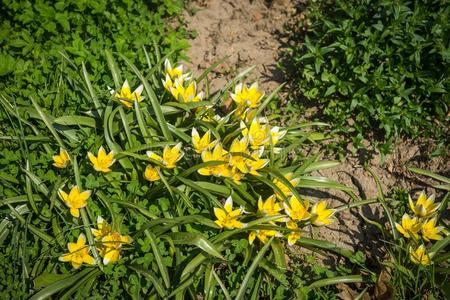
[247, 96]
[61, 160]
[102, 162]
[256, 163]
[430, 231]
[111, 245]
[269, 207]
[151, 173]
[171, 155]
[126, 97]
[218, 154]
[424, 207]
[297, 210]
[238, 153]
[321, 215]
[75, 199]
[258, 134]
[419, 256]
[262, 235]
[202, 143]
[102, 230]
[78, 253]
[294, 235]
[227, 217]
[410, 227]
[172, 72]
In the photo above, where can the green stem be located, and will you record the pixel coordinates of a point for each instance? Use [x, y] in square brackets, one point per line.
[125, 126]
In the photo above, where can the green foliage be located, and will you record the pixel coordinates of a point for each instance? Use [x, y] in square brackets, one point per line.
[34, 36]
[379, 69]
[404, 278]
[178, 251]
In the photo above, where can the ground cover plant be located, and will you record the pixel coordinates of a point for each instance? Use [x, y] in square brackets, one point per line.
[376, 69]
[158, 191]
[416, 240]
[35, 35]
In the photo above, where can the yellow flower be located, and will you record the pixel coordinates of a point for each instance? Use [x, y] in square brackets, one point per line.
[202, 143]
[103, 229]
[74, 200]
[227, 217]
[171, 155]
[321, 215]
[294, 235]
[258, 134]
[419, 256]
[276, 135]
[285, 189]
[168, 82]
[102, 162]
[61, 160]
[247, 96]
[218, 154]
[238, 151]
[297, 210]
[262, 235]
[126, 97]
[256, 163]
[430, 231]
[186, 95]
[78, 253]
[423, 207]
[111, 245]
[270, 207]
[409, 227]
[152, 173]
[244, 113]
[172, 72]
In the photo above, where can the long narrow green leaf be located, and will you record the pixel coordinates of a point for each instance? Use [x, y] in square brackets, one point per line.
[54, 288]
[195, 239]
[115, 72]
[36, 231]
[75, 120]
[47, 122]
[336, 280]
[384, 205]
[241, 293]
[87, 81]
[149, 274]
[429, 174]
[268, 99]
[141, 123]
[159, 260]
[326, 245]
[210, 68]
[222, 285]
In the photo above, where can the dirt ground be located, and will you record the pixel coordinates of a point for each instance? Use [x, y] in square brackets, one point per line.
[250, 33]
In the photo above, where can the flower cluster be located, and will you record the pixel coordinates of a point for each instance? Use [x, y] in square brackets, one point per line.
[422, 225]
[297, 214]
[180, 84]
[110, 242]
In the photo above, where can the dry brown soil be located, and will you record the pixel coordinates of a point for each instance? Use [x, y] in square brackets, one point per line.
[249, 32]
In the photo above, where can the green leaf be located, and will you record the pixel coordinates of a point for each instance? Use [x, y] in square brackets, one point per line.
[75, 120]
[195, 239]
[244, 285]
[62, 284]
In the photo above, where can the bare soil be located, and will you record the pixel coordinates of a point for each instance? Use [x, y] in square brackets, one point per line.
[251, 34]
